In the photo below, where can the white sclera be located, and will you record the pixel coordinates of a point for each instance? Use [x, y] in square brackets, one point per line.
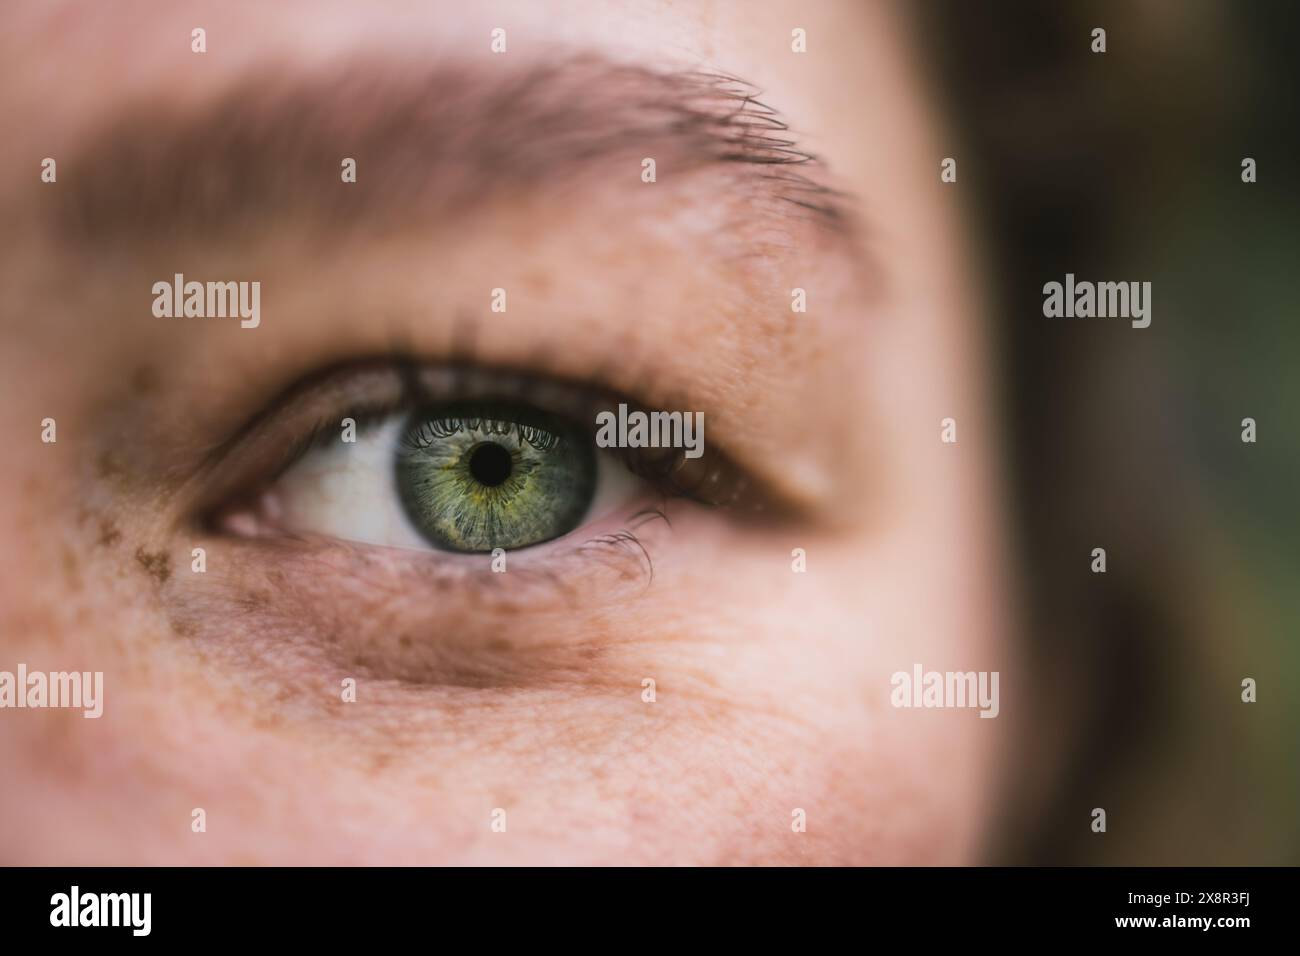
[348, 490]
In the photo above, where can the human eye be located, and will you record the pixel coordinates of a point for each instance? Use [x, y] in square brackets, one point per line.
[463, 461]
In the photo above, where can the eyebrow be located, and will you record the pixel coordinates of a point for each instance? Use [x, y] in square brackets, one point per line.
[431, 140]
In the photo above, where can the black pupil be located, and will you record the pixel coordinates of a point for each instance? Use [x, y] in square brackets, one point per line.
[490, 464]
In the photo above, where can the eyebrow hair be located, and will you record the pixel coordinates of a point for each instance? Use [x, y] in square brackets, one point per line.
[441, 139]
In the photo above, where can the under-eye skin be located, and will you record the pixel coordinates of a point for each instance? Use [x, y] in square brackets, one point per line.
[479, 476]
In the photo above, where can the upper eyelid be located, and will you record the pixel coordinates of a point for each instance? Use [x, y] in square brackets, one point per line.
[259, 450]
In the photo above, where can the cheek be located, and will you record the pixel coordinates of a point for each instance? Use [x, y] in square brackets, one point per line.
[788, 708]
[771, 697]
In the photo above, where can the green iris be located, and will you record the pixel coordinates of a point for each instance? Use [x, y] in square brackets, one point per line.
[478, 476]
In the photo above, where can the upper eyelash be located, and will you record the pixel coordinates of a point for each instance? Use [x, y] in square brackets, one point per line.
[711, 480]
[539, 438]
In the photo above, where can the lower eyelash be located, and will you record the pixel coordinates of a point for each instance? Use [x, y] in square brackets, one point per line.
[558, 579]
[313, 609]
[628, 543]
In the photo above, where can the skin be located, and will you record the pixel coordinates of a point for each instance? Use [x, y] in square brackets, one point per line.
[521, 691]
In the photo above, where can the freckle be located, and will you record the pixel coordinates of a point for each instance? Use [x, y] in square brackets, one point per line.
[108, 534]
[70, 568]
[61, 750]
[404, 640]
[156, 564]
[145, 380]
[538, 282]
[268, 721]
[499, 644]
[184, 628]
[109, 466]
[253, 602]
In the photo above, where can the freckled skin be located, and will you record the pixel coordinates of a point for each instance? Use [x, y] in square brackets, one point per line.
[145, 379]
[156, 564]
[521, 691]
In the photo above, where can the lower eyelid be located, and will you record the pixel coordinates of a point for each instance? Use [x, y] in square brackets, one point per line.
[428, 618]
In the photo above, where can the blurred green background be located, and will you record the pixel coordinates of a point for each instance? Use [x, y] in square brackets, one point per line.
[1126, 166]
